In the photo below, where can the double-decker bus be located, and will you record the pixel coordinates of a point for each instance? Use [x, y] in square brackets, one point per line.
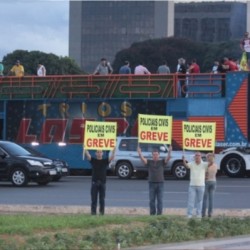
[51, 111]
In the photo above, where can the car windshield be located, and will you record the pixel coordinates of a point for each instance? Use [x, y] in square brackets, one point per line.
[150, 147]
[15, 149]
[131, 145]
[34, 152]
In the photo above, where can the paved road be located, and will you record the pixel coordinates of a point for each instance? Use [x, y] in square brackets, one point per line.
[230, 243]
[75, 191]
[71, 195]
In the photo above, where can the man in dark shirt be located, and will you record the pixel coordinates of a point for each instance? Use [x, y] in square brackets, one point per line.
[156, 179]
[99, 172]
[222, 69]
[182, 70]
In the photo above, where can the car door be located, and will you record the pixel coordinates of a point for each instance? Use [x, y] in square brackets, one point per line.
[3, 165]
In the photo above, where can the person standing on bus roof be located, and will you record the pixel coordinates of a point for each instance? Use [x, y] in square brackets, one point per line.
[141, 70]
[17, 69]
[103, 68]
[41, 70]
[1, 68]
[125, 69]
[99, 173]
[182, 70]
[163, 69]
[194, 68]
[245, 47]
[156, 168]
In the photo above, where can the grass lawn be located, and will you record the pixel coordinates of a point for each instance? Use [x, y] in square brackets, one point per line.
[46, 232]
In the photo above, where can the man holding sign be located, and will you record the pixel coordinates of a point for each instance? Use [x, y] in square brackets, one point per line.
[197, 136]
[156, 179]
[197, 184]
[155, 129]
[98, 186]
[99, 136]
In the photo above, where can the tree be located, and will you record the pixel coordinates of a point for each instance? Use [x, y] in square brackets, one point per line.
[54, 64]
[154, 52]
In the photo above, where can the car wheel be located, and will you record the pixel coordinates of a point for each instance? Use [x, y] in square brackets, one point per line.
[124, 170]
[19, 177]
[179, 171]
[234, 166]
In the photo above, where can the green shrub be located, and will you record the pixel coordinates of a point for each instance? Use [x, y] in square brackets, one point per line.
[94, 232]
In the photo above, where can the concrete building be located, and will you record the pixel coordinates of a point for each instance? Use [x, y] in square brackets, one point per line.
[210, 21]
[100, 29]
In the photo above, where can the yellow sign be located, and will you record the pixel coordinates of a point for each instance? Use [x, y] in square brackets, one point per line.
[154, 129]
[199, 135]
[100, 135]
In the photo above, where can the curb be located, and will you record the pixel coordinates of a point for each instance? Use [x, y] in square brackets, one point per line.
[43, 209]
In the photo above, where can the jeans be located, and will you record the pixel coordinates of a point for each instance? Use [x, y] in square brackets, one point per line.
[156, 190]
[195, 199]
[98, 188]
[208, 198]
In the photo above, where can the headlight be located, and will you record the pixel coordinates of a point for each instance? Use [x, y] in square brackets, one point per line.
[35, 163]
[48, 163]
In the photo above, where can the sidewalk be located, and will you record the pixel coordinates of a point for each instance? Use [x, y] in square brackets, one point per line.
[231, 243]
[44, 209]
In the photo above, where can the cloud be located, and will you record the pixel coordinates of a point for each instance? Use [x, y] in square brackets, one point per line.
[34, 25]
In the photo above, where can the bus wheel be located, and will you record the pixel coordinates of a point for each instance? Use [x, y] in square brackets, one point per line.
[234, 166]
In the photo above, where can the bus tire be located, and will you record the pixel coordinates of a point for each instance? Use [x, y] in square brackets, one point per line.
[234, 165]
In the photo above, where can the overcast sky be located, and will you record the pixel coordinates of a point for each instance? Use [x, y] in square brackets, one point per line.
[34, 25]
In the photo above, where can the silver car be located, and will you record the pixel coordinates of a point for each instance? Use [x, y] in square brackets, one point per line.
[128, 163]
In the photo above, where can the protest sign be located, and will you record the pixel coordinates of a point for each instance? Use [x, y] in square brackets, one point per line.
[154, 129]
[100, 135]
[199, 135]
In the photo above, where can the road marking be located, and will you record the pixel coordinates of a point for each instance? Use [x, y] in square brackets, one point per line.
[181, 192]
[223, 193]
[146, 200]
[234, 186]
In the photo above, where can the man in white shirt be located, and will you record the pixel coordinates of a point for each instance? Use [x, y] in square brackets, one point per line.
[197, 184]
[141, 70]
[41, 71]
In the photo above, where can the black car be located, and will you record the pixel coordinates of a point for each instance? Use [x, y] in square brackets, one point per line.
[20, 167]
[62, 167]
